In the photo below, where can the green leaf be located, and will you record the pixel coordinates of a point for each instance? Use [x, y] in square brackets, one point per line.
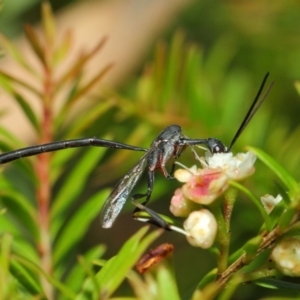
[48, 22]
[59, 161]
[19, 82]
[24, 164]
[6, 224]
[297, 86]
[20, 207]
[278, 170]
[73, 186]
[17, 55]
[25, 277]
[10, 137]
[79, 223]
[38, 271]
[25, 107]
[208, 278]
[256, 202]
[286, 218]
[29, 113]
[283, 193]
[77, 67]
[277, 212]
[217, 61]
[167, 284]
[87, 87]
[64, 48]
[35, 44]
[173, 68]
[195, 88]
[76, 275]
[115, 270]
[275, 284]
[293, 231]
[16, 205]
[5, 243]
[72, 90]
[22, 246]
[251, 248]
[91, 277]
[85, 121]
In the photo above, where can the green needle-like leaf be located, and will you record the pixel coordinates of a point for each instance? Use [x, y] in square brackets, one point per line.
[25, 276]
[271, 283]
[29, 113]
[19, 206]
[79, 223]
[17, 55]
[37, 270]
[251, 248]
[173, 67]
[64, 48]
[48, 23]
[24, 164]
[167, 284]
[87, 87]
[5, 243]
[115, 270]
[86, 120]
[257, 203]
[73, 186]
[77, 67]
[22, 102]
[77, 275]
[20, 82]
[278, 170]
[35, 44]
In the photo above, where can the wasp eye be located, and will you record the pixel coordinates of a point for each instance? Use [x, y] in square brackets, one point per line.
[217, 149]
[216, 146]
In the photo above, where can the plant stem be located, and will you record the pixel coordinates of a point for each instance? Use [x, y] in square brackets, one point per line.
[230, 197]
[224, 218]
[240, 262]
[222, 239]
[43, 192]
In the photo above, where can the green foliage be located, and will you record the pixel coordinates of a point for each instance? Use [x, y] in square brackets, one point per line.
[43, 222]
[36, 241]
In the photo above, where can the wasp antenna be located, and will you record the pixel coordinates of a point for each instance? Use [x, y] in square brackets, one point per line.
[252, 110]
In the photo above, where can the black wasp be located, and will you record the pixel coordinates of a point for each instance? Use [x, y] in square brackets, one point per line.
[169, 143]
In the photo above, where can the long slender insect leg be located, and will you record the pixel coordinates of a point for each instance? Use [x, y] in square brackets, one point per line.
[176, 155]
[149, 190]
[172, 172]
[155, 218]
[60, 145]
[179, 150]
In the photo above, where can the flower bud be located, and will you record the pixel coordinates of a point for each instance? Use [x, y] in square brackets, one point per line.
[180, 206]
[184, 175]
[201, 227]
[269, 202]
[286, 256]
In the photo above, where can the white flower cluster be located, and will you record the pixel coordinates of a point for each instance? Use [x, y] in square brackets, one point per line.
[236, 167]
[203, 186]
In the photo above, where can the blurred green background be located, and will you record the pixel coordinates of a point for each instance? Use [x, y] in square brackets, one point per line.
[226, 46]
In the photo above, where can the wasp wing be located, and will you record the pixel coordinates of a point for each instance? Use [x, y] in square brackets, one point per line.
[119, 195]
